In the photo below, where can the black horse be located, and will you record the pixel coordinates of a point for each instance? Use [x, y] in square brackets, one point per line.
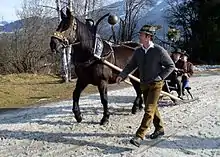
[89, 69]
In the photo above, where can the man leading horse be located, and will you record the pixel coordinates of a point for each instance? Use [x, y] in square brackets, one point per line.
[154, 65]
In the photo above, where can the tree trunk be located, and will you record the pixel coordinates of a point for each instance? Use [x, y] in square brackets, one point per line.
[58, 10]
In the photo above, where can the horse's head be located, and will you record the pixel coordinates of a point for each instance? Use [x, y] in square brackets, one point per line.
[65, 33]
[69, 31]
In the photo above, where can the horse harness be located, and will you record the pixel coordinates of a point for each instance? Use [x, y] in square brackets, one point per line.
[93, 59]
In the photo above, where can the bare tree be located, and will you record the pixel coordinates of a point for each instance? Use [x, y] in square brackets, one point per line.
[128, 24]
[65, 58]
[67, 54]
[58, 10]
[28, 49]
[5, 54]
[182, 14]
[83, 8]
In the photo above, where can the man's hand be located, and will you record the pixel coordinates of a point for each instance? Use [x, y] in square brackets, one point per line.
[118, 79]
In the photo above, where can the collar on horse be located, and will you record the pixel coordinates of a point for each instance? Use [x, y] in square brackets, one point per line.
[93, 59]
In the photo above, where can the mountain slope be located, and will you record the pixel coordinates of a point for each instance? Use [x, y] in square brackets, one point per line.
[153, 15]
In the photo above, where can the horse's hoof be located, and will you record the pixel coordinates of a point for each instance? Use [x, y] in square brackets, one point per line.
[134, 110]
[78, 117]
[141, 108]
[104, 121]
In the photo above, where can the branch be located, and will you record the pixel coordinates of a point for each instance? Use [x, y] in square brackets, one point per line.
[46, 6]
[64, 2]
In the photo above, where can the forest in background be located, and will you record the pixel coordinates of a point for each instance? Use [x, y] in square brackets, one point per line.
[27, 50]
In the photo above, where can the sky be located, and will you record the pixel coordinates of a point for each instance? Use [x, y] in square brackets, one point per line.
[8, 9]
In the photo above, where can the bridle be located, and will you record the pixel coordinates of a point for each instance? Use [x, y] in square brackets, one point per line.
[63, 36]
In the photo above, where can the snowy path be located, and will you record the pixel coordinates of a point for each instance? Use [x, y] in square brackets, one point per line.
[192, 129]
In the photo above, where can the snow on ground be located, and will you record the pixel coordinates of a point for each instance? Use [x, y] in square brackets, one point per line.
[206, 67]
[192, 129]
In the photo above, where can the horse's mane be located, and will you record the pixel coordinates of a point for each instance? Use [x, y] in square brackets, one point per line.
[84, 35]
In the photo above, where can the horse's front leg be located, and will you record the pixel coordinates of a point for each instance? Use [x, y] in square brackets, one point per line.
[80, 86]
[104, 99]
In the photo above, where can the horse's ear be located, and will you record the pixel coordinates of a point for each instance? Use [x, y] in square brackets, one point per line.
[63, 16]
[69, 16]
[68, 12]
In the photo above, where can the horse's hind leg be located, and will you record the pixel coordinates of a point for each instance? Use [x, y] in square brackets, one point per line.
[104, 99]
[138, 100]
[80, 86]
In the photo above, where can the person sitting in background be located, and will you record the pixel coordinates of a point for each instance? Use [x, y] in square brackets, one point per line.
[188, 71]
[175, 55]
[176, 76]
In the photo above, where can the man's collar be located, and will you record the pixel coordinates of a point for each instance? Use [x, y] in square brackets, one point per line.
[151, 45]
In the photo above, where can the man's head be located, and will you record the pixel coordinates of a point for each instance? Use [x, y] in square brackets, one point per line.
[146, 34]
[185, 57]
[177, 54]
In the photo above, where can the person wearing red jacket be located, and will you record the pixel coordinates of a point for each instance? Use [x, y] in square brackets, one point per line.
[188, 71]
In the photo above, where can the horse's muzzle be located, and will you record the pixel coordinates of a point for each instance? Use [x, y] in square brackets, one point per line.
[56, 45]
